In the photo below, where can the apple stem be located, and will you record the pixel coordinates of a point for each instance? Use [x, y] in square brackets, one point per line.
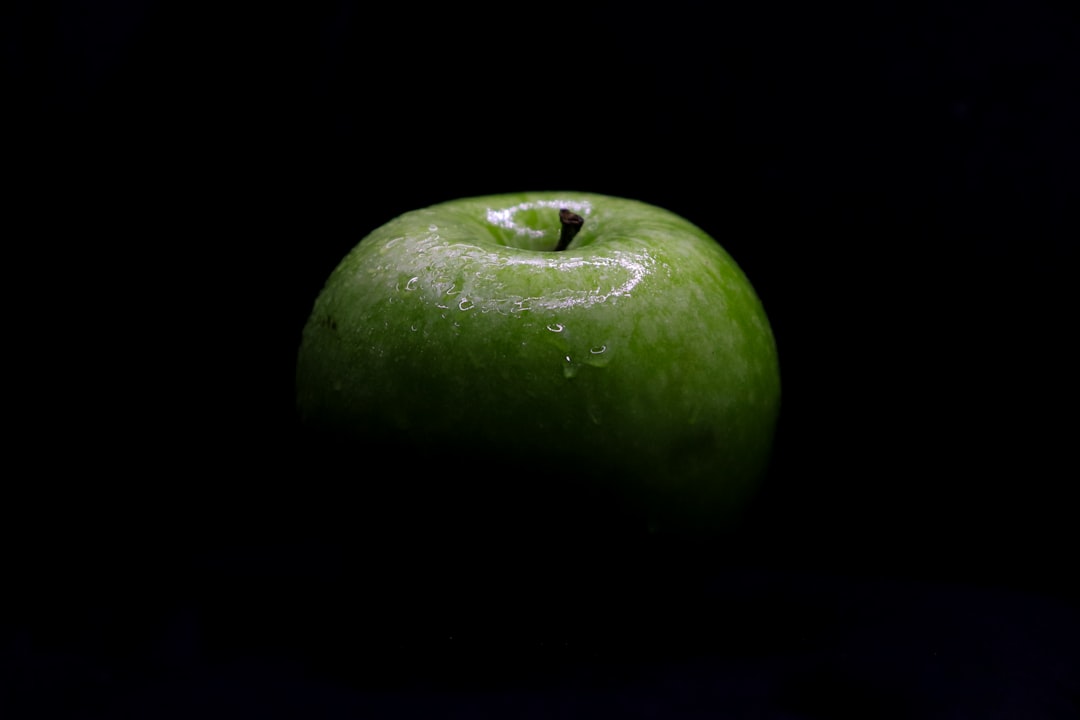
[571, 224]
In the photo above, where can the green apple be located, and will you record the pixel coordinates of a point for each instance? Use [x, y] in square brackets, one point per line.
[544, 352]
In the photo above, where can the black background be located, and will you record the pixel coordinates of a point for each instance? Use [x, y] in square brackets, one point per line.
[898, 180]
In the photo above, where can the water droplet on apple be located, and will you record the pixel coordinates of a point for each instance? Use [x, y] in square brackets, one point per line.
[433, 228]
[598, 356]
[411, 285]
[413, 328]
[466, 304]
[570, 368]
[556, 327]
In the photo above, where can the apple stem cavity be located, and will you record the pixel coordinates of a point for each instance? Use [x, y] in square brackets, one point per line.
[571, 225]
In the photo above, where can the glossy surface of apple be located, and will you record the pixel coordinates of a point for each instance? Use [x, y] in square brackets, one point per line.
[636, 368]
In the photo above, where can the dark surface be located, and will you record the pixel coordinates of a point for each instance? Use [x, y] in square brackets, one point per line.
[898, 182]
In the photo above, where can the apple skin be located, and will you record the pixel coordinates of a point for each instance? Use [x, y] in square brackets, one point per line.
[634, 373]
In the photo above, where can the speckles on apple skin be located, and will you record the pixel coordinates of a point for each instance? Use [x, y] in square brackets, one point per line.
[330, 322]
